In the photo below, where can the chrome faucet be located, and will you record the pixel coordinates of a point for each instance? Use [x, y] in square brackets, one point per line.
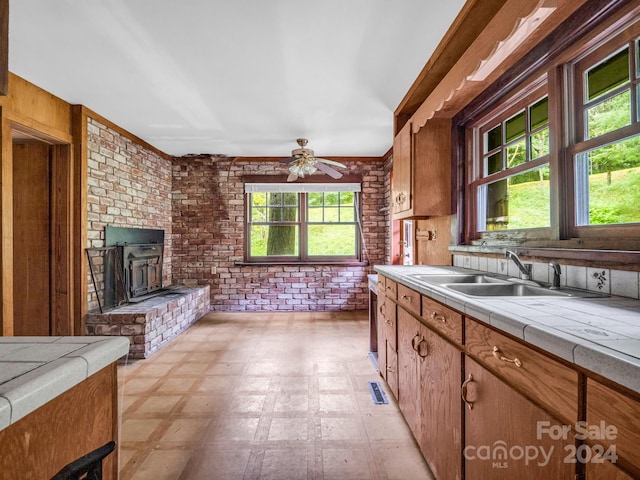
[525, 268]
[555, 284]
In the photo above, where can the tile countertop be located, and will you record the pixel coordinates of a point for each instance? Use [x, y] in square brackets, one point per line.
[600, 334]
[34, 370]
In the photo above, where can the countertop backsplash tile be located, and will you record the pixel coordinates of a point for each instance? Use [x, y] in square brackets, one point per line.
[602, 280]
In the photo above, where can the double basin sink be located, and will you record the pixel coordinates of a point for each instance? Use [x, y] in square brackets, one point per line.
[481, 285]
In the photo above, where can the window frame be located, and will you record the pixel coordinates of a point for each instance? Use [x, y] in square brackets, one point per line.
[610, 37]
[303, 223]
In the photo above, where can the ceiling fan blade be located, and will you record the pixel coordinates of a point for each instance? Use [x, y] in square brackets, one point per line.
[328, 170]
[288, 159]
[330, 162]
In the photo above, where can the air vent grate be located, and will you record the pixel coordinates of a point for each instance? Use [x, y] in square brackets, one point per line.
[379, 398]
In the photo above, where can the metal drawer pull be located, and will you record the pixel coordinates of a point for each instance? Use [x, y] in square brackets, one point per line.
[407, 297]
[464, 391]
[496, 353]
[414, 342]
[388, 322]
[389, 369]
[439, 317]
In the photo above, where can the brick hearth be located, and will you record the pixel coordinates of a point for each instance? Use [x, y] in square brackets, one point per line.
[152, 323]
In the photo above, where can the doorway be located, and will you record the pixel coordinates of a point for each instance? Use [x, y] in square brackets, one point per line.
[41, 237]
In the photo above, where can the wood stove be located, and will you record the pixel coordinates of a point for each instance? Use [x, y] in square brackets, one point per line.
[141, 251]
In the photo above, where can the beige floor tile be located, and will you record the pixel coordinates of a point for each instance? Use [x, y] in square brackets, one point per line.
[138, 430]
[291, 429]
[296, 383]
[218, 383]
[185, 430]
[252, 384]
[342, 464]
[163, 465]
[337, 403]
[175, 384]
[211, 404]
[341, 428]
[234, 429]
[221, 464]
[158, 404]
[291, 402]
[333, 383]
[403, 463]
[247, 403]
[388, 427]
[290, 464]
[137, 385]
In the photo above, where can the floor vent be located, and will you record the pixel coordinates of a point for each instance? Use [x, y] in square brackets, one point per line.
[378, 395]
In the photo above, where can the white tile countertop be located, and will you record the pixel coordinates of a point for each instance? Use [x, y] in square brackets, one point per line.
[600, 333]
[35, 370]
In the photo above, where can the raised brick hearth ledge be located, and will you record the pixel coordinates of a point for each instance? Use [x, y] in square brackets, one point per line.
[152, 323]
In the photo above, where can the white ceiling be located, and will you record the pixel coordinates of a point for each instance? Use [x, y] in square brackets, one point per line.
[233, 77]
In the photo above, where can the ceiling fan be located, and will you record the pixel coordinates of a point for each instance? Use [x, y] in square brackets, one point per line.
[302, 162]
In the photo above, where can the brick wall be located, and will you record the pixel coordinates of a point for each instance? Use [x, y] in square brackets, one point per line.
[128, 186]
[208, 216]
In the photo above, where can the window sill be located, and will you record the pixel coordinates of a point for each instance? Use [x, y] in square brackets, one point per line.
[290, 263]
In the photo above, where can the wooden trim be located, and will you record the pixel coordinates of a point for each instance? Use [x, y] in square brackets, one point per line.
[467, 26]
[4, 47]
[80, 160]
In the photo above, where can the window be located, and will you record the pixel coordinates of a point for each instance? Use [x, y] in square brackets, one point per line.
[512, 189]
[559, 158]
[302, 223]
[607, 151]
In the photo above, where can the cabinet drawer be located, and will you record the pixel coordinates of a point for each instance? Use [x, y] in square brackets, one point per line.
[409, 299]
[390, 288]
[546, 381]
[442, 319]
[613, 410]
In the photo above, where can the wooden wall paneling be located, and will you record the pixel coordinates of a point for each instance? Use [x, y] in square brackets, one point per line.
[31, 239]
[432, 239]
[6, 224]
[62, 302]
[69, 426]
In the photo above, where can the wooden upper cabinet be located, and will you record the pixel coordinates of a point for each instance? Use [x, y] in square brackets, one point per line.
[421, 180]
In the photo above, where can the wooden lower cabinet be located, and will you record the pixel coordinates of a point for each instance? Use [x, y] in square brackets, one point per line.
[429, 373]
[507, 436]
[614, 426]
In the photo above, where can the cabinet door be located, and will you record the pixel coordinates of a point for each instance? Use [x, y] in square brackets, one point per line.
[614, 425]
[506, 435]
[401, 177]
[440, 405]
[409, 333]
[392, 370]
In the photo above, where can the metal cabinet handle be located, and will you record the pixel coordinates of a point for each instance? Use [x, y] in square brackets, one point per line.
[389, 369]
[496, 353]
[464, 391]
[438, 317]
[388, 322]
[401, 197]
[407, 297]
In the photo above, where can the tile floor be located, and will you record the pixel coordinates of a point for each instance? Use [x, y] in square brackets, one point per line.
[263, 396]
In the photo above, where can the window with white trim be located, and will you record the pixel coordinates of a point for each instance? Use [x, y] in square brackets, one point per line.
[312, 222]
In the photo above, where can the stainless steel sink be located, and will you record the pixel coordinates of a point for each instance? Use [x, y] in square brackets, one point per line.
[460, 278]
[510, 290]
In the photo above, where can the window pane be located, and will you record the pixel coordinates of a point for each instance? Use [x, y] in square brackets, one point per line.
[540, 144]
[610, 115]
[274, 240]
[315, 214]
[347, 214]
[539, 114]
[519, 201]
[608, 184]
[515, 127]
[332, 240]
[494, 163]
[315, 199]
[608, 75]
[258, 214]
[283, 214]
[493, 139]
[517, 153]
[331, 199]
